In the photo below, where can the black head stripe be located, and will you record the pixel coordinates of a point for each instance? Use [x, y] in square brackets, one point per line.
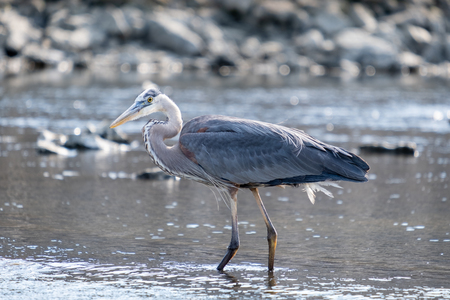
[151, 93]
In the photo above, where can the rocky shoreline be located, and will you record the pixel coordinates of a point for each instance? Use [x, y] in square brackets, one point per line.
[342, 38]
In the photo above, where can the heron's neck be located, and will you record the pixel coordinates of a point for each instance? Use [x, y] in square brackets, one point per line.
[154, 134]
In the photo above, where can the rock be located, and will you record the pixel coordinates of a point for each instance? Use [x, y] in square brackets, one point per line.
[50, 142]
[214, 39]
[76, 32]
[3, 36]
[363, 17]
[417, 37]
[154, 174]
[311, 40]
[251, 47]
[412, 15]
[330, 23]
[410, 60]
[358, 45]
[436, 20]
[127, 22]
[87, 138]
[391, 33]
[434, 52]
[36, 53]
[350, 68]
[172, 34]
[447, 47]
[236, 6]
[400, 148]
[77, 40]
[284, 13]
[21, 30]
[107, 133]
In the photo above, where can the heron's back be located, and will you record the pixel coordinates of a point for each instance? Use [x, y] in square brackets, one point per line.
[252, 153]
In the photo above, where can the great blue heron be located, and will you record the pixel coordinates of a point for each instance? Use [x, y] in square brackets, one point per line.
[231, 153]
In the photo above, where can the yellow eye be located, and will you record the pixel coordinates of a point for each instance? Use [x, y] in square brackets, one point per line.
[150, 99]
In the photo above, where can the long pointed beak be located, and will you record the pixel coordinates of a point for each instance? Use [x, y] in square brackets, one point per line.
[132, 113]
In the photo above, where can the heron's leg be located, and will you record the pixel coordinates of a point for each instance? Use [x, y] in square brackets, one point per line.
[271, 232]
[234, 244]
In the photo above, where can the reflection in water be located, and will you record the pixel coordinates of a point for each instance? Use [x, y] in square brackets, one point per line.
[80, 227]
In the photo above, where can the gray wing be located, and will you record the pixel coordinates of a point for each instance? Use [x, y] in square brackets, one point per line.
[248, 152]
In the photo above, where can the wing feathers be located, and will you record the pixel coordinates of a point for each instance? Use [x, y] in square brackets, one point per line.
[250, 152]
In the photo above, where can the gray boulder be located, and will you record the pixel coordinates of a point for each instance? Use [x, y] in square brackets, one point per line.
[82, 38]
[417, 38]
[214, 38]
[240, 6]
[21, 30]
[168, 32]
[311, 40]
[363, 17]
[3, 36]
[410, 60]
[434, 52]
[360, 46]
[447, 47]
[283, 12]
[76, 32]
[250, 47]
[330, 23]
[127, 22]
[412, 15]
[35, 52]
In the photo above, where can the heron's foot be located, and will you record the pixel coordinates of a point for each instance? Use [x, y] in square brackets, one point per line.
[230, 254]
[272, 240]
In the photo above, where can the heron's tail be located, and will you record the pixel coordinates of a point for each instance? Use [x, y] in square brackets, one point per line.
[311, 188]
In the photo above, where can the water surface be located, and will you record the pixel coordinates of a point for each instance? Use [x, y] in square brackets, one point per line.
[83, 227]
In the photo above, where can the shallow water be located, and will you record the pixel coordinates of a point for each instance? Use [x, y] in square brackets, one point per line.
[82, 227]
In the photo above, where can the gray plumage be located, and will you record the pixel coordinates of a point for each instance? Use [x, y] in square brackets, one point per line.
[252, 153]
[231, 153]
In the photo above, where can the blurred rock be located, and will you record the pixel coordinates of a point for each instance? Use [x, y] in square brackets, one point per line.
[235, 6]
[434, 52]
[170, 33]
[79, 39]
[447, 47]
[363, 17]
[413, 15]
[107, 133]
[410, 60]
[36, 53]
[311, 40]
[282, 13]
[330, 23]
[251, 47]
[50, 142]
[400, 148]
[218, 48]
[20, 30]
[154, 174]
[227, 37]
[90, 137]
[3, 36]
[417, 37]
[359, 46]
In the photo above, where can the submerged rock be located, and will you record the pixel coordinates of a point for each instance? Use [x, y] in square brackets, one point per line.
[50, 142]
[400, 148]
[154, 174]
[90, 137]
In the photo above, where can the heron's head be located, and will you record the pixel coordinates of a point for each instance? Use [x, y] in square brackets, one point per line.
[149, 101]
